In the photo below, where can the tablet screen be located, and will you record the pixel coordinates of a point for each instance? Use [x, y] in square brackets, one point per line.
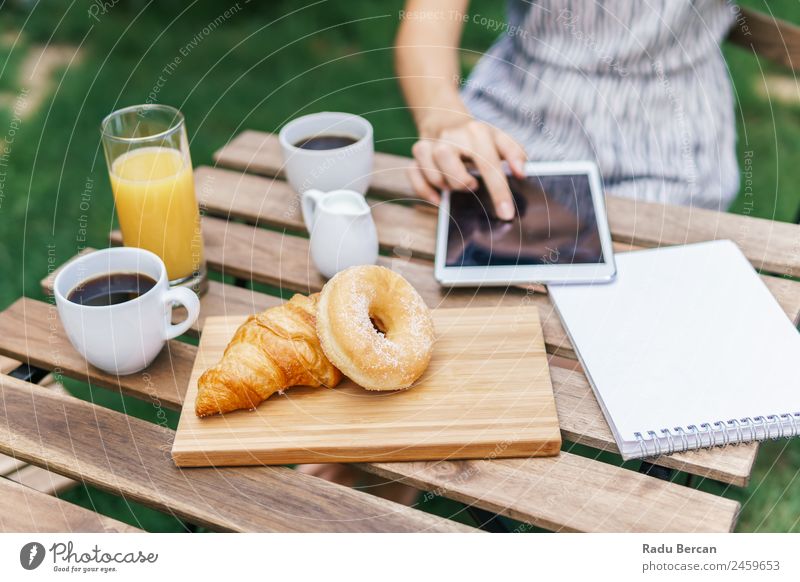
[555, 223]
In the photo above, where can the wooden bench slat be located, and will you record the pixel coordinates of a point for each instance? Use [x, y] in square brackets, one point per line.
[400, 228]
[543, 492]
[131, 457]
[579, 414]
[771, 246]
[24, 510]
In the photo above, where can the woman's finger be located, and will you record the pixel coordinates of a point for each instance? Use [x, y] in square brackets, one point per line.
[511, 152]
[421, 186]
[423, 154]
[448, 159]
[488, 161]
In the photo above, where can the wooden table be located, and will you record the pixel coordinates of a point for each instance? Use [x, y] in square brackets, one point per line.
[255, 239]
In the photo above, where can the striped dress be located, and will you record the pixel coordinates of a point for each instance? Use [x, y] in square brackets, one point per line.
[639, 86]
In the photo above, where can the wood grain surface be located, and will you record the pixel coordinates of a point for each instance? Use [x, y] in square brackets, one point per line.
[487, 391]
[24, 510]
[769, 245]
[131, 457]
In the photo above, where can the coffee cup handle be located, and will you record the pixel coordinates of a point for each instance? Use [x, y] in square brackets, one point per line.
[189, 300]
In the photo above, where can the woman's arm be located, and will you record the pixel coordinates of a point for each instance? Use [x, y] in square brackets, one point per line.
[426, 55]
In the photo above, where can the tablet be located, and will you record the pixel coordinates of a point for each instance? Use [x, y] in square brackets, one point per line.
[559, 233]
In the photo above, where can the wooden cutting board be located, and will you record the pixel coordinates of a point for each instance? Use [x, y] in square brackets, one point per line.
[486, 394]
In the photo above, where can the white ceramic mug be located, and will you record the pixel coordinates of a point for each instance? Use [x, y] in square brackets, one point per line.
[347, 167]
[342, 230]
[126, 337]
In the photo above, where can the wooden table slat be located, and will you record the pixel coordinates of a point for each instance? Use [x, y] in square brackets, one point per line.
[579, 414]
[131, 457]
[23, 510]
[545, 493]
[771, 246]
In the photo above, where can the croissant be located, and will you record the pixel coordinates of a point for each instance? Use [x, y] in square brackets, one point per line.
[270, 352]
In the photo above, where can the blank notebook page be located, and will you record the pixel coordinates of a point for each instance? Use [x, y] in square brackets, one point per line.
[685, 335]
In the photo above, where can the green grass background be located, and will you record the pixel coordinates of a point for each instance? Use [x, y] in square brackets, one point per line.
[258, 69]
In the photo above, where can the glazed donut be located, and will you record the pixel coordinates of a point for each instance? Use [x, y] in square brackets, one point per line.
[374, 326]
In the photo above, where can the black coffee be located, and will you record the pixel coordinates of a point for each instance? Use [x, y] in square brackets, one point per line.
[325, 142]
[111, 289]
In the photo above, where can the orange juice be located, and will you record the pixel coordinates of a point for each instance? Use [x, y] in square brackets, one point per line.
[157, 209]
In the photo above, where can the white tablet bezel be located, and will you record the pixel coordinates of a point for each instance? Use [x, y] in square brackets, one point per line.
[554, 273]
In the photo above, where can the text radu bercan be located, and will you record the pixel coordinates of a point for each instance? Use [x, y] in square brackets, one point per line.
[677, 549]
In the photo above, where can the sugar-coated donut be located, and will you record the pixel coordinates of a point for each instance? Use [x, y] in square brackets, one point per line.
[374, 326]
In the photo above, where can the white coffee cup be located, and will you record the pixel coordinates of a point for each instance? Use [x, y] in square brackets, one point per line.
[123, 338]
[348, 167]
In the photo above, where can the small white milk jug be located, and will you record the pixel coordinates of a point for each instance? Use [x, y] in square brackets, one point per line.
[342, 230]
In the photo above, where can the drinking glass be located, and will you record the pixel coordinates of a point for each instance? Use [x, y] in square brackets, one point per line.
[150, 168]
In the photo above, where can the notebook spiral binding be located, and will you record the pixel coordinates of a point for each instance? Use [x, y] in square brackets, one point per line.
[716, 434]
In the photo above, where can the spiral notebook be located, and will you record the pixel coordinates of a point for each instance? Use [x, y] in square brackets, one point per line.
[686, 349]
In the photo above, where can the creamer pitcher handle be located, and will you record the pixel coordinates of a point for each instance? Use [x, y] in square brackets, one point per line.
[308, 204]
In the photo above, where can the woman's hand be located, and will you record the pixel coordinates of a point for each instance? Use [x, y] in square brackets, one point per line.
[428, 69]
[443, 149]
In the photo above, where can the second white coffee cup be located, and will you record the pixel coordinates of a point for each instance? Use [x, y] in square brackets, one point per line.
[348, 167]
[126, 337]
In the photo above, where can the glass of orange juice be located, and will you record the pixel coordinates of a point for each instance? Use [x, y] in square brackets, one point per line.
[148, 159]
